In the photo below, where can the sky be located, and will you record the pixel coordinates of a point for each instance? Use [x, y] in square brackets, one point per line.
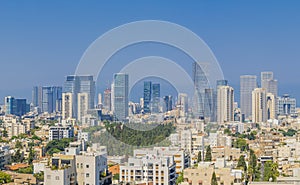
[41, 42]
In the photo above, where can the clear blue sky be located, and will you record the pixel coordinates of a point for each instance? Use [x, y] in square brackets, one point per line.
[42, 41]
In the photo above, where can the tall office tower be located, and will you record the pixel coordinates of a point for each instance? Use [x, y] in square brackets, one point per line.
[247, 84]
[210, 106]
[142, 102]
[80, 84]
[168, 103]
[68, 106]
[286, 105]
[36, 96]
[268, 82]
[15, 106]
[225, 104]
[259, 105]
[99, 104]
[271, 106]
[112, 100]
[10, 105]
[200, 83]
[183, 104]
[147, 96]
[107, 100]
[51, 99]
[120, 92]
[155, 98]
[87, 85]
[83, 103]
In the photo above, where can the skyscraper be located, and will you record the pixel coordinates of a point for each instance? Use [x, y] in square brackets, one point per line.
[259, 105]
[247, 84]
[67, 106]
[120, 97]
[168, 103]
[15, 106]
[200, 84]
[51, 99]
[183, 104]
[286, 105]
[107, 99]
[37, 96]
[271, 106]
[83, 103]
[80, 84]
[155, 97]
[147, 96]
[210, 105]
[225, 104]
[268, 82]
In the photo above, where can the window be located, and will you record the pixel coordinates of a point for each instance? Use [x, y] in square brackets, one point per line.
[87, 166]
[48, 176]
[56, 177]
[87, 175]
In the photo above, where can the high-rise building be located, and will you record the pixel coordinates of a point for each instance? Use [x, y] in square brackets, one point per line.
[67, 106]
[168, 103]
[183, 104]
[271, 106]
[120, 96]
[80, 84]
[247, 84]
[210, 105]
[51, 99]
[14, 106]
[99, 104]
[83, 103]
[225, 104]
[286, 105]
[37, 96]
[269, 83]
[200, 84]
[107, 99]
[147, 96]
[155, 97]
[259, 105]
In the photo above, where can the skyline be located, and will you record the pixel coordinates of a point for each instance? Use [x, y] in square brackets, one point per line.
[56, 45]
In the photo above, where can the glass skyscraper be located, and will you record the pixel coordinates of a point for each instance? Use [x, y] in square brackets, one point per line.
[155, 97]
[247, 84]
[200, 84]
[147, 96]
[17, 107]
[120, 96]
[268, 82]
[80, 84]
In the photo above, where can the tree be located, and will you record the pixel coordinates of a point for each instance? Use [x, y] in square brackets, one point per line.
[31, 155]
[214, 179]
[253, 169]
[199, 157]
[180, 178]
[18, 145]
[270, 171]
[4, 177]
[208, 156]
[227, 131]
[17, 158]
[242, 163]
[240, 143]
